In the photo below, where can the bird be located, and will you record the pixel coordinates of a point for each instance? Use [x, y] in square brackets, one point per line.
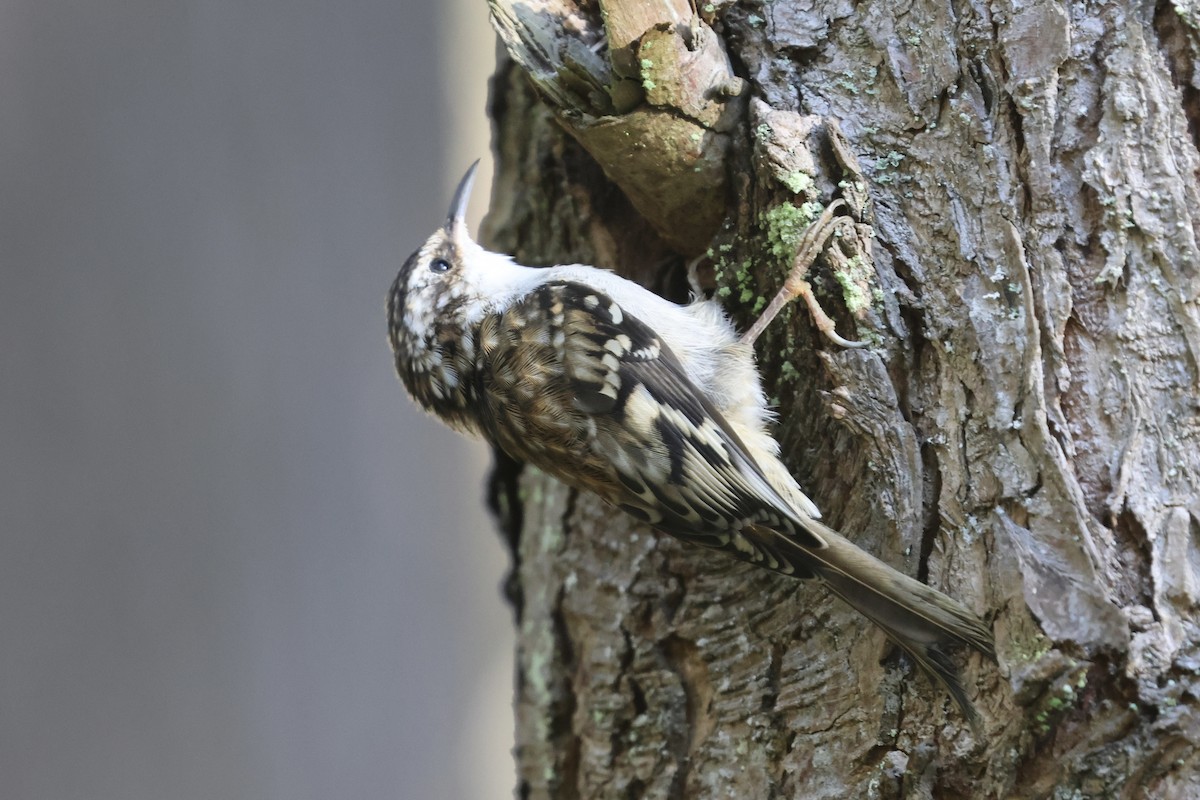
[655, 407]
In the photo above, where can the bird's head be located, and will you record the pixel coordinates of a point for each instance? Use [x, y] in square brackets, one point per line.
[434, 287]
[437, 302]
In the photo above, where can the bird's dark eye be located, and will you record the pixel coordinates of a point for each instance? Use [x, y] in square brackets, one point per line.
[439, 265]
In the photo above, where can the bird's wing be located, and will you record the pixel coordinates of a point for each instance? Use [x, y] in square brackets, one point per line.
[683, 466]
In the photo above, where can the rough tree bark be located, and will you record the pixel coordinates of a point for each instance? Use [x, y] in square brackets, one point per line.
[1022, 433]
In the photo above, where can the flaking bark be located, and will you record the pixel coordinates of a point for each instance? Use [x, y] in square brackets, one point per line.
[1022, 433]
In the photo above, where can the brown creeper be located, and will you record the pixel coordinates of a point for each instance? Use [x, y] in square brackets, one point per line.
[655, 407]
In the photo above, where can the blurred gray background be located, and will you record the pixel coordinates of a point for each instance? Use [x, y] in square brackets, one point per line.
[235, 561]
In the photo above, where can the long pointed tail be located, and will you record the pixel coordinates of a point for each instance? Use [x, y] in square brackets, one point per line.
[916, 617]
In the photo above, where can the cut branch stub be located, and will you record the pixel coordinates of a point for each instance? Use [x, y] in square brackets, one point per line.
[647, 89]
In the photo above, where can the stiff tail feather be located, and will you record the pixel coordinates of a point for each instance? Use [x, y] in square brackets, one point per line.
[919, 619]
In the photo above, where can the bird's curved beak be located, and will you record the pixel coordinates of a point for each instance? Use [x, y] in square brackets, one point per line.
[458, 206]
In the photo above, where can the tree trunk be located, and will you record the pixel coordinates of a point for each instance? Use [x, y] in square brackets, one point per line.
[1023, 432]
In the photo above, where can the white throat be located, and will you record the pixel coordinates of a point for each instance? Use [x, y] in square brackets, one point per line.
[495, 280]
